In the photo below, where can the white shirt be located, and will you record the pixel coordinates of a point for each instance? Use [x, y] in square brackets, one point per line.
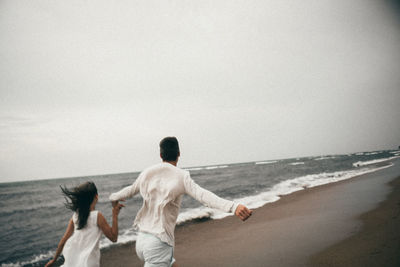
[162, 187]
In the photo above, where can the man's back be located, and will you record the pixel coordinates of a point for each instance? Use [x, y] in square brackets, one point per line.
[162, 181]
[161, 187]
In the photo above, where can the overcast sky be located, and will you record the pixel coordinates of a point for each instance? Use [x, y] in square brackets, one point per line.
[91, 87]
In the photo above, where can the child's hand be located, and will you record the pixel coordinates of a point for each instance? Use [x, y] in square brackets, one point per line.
[116, 208]
[50, 263]
[115, 203]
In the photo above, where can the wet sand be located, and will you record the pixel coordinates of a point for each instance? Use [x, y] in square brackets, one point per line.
[377, 244]
[307, 228]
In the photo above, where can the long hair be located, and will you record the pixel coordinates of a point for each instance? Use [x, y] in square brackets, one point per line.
[79, 199]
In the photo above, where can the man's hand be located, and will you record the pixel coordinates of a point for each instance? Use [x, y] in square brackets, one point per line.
[116, 202]
[243, 212]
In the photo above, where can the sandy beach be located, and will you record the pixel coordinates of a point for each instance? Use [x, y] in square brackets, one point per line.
[348, 223]
[377, 244]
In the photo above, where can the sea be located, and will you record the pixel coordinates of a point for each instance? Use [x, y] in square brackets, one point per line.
[33, 217]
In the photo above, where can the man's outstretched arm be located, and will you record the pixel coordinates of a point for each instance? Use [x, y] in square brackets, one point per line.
[126, 192]
[211, 200]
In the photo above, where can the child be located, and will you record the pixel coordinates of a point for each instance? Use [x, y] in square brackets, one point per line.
[85, 228]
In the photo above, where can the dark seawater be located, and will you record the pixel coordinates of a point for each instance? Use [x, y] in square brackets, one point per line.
[33, 217]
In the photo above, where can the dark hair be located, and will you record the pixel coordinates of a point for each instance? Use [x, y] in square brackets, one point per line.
[79, 199]
[169, 149]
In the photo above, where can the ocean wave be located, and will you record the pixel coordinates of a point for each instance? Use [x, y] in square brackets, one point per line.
[194, 169]
[216, 167]
[296, 163]
[206, 168]
[195, 213]
[126, 236]
[395, 153]
[265, 162]
[312, 180]
[273, 194]
[369, 162]
[35, 259]
[323, 158]
[10, 210]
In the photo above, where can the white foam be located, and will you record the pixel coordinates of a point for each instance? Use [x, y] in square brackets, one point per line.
[274, 193]
[259, 200]
[127, 236]
[216, 167]
[361, 153]
[371, 153]
[265, 162]
[395, 152]
[322, 158]
[194, 169]
[207, 168]
[309, 181]
[251, 202]
[196, 213]
[369, 162]
[35, 259]
[296, 163]
[212, 168]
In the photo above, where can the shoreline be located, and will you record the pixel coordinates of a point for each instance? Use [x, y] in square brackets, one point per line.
[288, 232]
[376, 244]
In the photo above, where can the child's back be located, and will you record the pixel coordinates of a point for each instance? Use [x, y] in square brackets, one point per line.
[82, 249]
[80, 242]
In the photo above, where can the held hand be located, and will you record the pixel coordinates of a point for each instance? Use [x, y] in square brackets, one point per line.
[243, 212]
[116, 208]
[50, 263]
[116, 202]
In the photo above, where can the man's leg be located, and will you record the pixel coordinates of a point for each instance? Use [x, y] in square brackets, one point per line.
[153, 251]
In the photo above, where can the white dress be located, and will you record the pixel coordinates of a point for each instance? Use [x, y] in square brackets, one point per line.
[82, 248]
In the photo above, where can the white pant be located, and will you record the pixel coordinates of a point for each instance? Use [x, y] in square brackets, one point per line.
[153, 251]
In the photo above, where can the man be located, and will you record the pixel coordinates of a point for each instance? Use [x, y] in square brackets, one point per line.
[162, 187]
